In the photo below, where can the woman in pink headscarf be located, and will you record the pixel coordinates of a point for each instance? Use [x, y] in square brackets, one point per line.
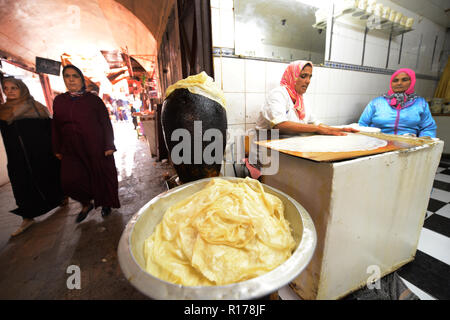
[400, 111]
[285, 109]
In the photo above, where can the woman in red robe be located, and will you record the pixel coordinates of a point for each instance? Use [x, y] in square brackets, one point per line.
[83, 139]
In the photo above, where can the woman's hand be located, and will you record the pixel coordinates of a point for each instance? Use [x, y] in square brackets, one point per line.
[330, 131]
[108, 153]
[59, 156]
[326, 130]
[348, 129]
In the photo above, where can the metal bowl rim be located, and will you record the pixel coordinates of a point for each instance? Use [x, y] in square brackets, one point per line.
[208, 291]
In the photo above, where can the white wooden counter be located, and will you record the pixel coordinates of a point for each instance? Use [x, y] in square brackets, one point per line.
[368, 213]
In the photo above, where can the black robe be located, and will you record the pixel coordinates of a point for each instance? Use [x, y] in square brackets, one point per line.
[33, 169]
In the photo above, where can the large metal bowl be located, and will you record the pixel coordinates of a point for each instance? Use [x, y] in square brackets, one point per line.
[143, 223]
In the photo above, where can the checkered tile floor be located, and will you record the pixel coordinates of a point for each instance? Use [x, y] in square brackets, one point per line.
[428, 276]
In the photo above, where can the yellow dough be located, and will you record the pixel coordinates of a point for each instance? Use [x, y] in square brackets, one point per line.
[200, 84]
[225, 233]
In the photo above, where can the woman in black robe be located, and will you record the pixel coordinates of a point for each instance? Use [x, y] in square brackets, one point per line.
[33, 169]
[83, 140]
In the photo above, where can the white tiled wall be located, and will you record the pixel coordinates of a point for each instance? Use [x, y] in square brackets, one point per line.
[255, 79]
[222, 16]
[233, 75]
[235, 107]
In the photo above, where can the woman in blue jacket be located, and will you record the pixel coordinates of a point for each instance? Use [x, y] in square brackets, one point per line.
[400, 111]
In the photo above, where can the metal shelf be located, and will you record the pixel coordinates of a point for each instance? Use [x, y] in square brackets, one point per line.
[387, 27]
[360, 18]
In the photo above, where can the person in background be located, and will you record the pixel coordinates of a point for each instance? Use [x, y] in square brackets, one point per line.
[119, 112]
[1, 81]
[115, 110]
[285, 110]
[109, 108]
[134, 117]
[33, 169]
[124, 114]
[400, 111]
[137, 104]
[83, 140]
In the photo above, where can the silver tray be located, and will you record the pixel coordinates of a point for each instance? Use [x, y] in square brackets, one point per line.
[142, 224]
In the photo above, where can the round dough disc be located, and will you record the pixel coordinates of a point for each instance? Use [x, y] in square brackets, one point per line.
[319, 143]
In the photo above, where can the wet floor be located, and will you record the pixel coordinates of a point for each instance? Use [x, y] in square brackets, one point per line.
[35, 264]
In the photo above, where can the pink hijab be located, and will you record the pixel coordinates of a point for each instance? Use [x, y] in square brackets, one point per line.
[409, 91]
[288, 80]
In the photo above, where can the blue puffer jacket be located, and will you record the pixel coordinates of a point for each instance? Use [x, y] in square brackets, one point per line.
[414, 118]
